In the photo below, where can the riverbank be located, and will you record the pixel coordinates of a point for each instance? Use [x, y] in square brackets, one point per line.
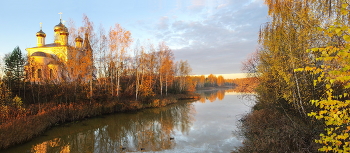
[41, 117]
[215, 88]
[272, 127]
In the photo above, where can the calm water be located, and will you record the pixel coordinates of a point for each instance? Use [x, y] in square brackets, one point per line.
[206, 125]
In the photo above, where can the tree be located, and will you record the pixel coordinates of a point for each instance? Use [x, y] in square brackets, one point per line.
[220, 80]
[119, 41]
[14, 70]
[296, 26]
[212, 80]
[184, 70]
[165, 71]
[250, 65]
[332, 68]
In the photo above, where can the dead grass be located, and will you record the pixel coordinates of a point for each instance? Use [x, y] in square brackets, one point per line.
[39, 117]
[268, 130]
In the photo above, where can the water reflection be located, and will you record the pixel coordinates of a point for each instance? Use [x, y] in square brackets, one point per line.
[213, 95]
[150, 129]
[182, 127]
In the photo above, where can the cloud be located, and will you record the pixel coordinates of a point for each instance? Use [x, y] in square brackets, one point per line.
[163, 23]
[197, 5]
[214, 37]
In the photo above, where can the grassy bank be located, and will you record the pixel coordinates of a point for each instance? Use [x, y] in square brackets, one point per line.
[40, 117]
[277, 128]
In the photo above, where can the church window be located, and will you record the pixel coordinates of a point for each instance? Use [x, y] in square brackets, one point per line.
[50, 74]
[39, 73]
[33, 72]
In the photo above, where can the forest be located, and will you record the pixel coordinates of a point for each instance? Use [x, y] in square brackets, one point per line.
[302, 66]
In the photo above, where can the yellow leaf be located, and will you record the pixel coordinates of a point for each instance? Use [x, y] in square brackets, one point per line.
[344, 5]
[314, 49]
[338, 30]
[344, 12]
[346, 37]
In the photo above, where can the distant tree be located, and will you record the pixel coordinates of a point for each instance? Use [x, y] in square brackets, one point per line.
[211, 80]
[184, 69]
[14, 64]
[201, 81]
[220, 80]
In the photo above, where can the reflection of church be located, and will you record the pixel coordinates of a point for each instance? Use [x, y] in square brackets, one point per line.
[59, 61]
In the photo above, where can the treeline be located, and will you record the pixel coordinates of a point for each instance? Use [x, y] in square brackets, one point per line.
[302, 64]
[114, 77]
[211, 81]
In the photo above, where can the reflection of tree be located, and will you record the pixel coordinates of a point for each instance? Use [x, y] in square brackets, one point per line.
[40, 148]
[221, 94]
[212, 95]
[202, 100]
[150, 129]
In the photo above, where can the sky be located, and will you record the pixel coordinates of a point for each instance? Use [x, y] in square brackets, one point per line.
[214, 36]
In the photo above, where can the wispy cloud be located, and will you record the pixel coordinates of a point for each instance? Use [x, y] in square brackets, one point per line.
[218, 42]
[214, 36]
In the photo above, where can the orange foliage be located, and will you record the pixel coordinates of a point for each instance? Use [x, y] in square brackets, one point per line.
[246, 84]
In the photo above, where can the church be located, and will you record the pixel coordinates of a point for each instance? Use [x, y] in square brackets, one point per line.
[59, 61]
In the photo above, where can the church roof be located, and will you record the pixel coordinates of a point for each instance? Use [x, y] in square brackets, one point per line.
[53, 63]
[42, 54]
[79, 39]
[49, 45]
[60, 27]
[41, 33]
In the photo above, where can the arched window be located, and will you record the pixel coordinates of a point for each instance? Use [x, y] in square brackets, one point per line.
[33, 72]
[39, 73]
[50, 74]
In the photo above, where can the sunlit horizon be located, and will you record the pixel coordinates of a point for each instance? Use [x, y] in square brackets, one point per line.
[227, 76]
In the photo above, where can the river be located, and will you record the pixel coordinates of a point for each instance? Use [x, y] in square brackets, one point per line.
[206, 125]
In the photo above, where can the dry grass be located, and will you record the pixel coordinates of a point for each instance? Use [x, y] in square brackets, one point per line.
[268, 130]
[35, 119]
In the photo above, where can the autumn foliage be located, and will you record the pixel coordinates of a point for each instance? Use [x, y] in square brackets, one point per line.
[302, 64]
[112, 76]
[247, 85]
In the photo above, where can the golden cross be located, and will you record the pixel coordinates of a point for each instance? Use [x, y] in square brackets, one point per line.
[41, 26]
[60, 15]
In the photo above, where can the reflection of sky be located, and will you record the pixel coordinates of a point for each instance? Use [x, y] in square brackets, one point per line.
[213, 126]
